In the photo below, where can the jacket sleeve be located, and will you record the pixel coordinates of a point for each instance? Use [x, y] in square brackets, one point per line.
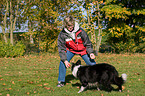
[87, 43]
[61, 47]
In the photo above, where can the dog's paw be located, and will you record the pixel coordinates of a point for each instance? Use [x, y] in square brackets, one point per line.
[80, 91]
[98, 89]
[120, 90]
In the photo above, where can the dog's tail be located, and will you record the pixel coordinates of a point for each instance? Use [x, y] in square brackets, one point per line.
[120, 80]
[124, 77]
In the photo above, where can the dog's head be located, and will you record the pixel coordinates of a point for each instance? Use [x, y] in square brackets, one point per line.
[75, 67]
[76, 64]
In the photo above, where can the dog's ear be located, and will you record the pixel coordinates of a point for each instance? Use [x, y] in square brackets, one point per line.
[73, 64]
[78, 62]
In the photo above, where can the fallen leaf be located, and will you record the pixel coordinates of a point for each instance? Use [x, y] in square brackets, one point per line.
[13, 82]
[137, 73]
[30, 82]
[129, 62]
[123, 87]
[47, 88]
[39, 85]
[27, 93]
[66, 83]
[4, 84]
[45, 83]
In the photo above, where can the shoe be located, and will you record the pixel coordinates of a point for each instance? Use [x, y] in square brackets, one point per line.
[60, 84]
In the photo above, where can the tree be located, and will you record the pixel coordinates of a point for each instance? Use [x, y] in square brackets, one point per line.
[13, 18]
[88, 21]
[11, 9]
[4, 19]
[124, 21]
[44, 20]
[99, 19]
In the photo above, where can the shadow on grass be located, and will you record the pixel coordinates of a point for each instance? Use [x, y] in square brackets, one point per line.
[102, 88]
[68, 78]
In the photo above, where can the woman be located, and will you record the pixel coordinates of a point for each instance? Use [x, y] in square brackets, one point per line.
[73, 40]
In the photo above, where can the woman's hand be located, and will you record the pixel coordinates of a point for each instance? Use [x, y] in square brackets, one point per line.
[92, 56]
[67, 64]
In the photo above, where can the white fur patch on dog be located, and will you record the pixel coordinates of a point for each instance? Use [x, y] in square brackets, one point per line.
[75, 70]
[82, 89]
[124, 76]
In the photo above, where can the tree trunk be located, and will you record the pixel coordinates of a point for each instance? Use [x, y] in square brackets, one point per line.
[100, 30]
[13, 23]
[4, 24]
[99, 39]
[31, 32]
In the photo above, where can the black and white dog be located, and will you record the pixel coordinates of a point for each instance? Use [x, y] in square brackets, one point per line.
[101, 73]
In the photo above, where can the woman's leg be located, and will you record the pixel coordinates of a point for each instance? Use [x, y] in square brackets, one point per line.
[62, 67]
[88, 60]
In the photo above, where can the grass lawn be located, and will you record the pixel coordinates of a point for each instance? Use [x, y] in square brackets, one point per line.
[35, 75]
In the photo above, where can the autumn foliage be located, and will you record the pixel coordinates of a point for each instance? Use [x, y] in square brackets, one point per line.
[118, 23]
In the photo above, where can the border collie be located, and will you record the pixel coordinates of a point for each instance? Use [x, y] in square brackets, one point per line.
[101, 73]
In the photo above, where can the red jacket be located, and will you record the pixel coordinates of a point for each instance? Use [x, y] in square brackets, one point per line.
[76, 46]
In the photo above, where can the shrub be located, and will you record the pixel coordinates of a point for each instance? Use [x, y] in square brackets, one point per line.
[8, 50]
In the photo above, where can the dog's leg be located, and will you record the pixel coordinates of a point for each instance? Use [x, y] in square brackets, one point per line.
[82, 89]
[109, 87]
[120, 88]
[98, 89]
[97, 86]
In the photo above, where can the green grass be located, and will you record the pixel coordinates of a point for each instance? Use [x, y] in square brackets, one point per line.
[35, 75]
